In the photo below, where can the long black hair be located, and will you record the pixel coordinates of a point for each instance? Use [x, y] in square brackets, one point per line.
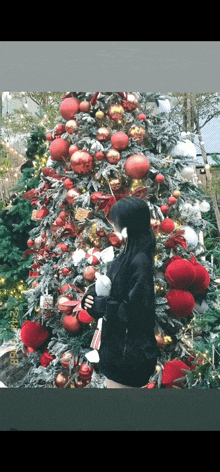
[134, 214]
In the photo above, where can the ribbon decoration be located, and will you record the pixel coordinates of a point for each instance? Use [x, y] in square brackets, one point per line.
[105, 202]
[175, 239]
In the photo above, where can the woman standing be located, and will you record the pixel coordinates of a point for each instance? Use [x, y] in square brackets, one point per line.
[128, 350]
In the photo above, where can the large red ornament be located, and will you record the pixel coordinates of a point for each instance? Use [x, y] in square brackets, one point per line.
[59, 148]
[202, 277]
[84, 317]
[137, 166]
[173, 370]
[71, 324]
[167, 225]
[119, 140]
[33, 334]
[61, 305]
[81, 162]
[113, 156]
[85, 372]
[69, 107]
[180, 273]
[181, 302]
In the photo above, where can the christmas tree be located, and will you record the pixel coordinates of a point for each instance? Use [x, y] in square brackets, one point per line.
[107, 146]
[15, 225]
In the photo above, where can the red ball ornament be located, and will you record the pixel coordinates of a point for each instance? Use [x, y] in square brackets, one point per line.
[142, 116]
[180, 273]
[100, 155]
[89, 273]
[30, 242]
[103, 134]
[85, 372]
[68, 183]
[64, 359]
[63, 215]
[33, 334]
[181, 302]
[71, 126]
[84, 106]
[119, 140]
[130, 102]
[71, 324]
[113, 156]
[69, 107]
[61, 305]
[172, 371]
[58, 149]
[137, 166]
[84, 317]
[71, 195]
[150, 385]
[60, 128]
[27, 350]
[61, 380]
[202, 277]
[81, 162]
[159, 178]
[167, 225]
[172, 200]
[49, 137]
[164, 208]
[73, 148]
[59, 222]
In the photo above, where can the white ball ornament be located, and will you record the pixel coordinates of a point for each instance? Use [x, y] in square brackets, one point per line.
[187, 173]
[191, 236]
[204, 206]
[186, 209]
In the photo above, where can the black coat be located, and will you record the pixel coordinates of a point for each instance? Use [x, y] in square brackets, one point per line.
[128, 350]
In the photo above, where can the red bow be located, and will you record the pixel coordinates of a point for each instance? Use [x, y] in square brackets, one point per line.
[75, 303]
[175, 239]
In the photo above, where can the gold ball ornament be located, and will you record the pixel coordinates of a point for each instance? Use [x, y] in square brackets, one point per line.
[138, 133]
[99, 114]
[71, 126]
[113, 156]
[116, 112]
[103, 134]
[115, 184]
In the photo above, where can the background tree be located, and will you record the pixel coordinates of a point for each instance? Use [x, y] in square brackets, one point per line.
[15, 224]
